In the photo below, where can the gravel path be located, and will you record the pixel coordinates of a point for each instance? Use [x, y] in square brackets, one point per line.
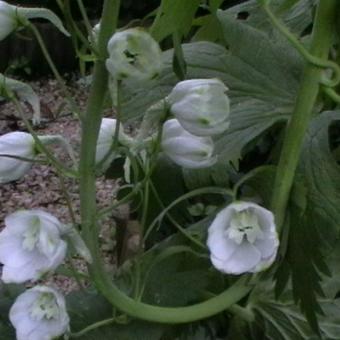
[41, 187]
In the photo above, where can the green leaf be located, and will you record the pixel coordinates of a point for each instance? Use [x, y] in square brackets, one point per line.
[281, 319]
[43, 13]
[322, 177]
[8, 294]
[296, 14]
[24, 93]
[174, 16]
[314, 229]
[88, 307]
[178, 62]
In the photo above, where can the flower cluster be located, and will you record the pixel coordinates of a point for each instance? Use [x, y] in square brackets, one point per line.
[201, 109]
[32, 244]
[243, 238]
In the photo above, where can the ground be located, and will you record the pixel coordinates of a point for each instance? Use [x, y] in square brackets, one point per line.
[41, 187]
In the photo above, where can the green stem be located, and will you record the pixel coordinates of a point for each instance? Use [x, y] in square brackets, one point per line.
[39, 144]
[85, 19]
[53, 68]
[331, 93]
[92, 327]
[242, 312]
[307, 95]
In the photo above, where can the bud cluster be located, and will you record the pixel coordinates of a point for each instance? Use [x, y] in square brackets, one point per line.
[201, 109]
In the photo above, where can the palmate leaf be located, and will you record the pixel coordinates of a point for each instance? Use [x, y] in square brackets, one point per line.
[314, 231]
[322, 176]
[296, 14]
[282, 320]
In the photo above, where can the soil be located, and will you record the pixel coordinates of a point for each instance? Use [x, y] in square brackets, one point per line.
[41, 187]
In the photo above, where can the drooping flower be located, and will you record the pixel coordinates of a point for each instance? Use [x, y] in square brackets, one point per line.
[14, 17]
[201, 106]
[106, 138]
[39, 314]
[243, 238]
[185, 149]
[17, 144]
[30, 246]
[133, 55]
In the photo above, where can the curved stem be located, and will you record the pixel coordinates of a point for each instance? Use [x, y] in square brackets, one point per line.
[103, 281]
[331, 93]
[92, 327]
[307, 95]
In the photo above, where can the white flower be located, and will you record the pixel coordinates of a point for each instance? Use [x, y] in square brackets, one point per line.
[201, 106]
[19, 144]
[185, 149]
[30, 246]
[243, 238]
[39, 314]
[8, 19]
[133, 55]
[106, 137]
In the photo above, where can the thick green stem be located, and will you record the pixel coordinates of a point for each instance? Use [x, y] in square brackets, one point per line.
[306, 98]
[90, 130]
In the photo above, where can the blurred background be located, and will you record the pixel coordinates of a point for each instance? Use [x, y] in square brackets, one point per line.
[20, 54]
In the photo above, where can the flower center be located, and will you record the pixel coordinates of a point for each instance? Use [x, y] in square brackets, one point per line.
[131, 57]
[45, 307]
[31, 236]
[38, 238]
[244, 225]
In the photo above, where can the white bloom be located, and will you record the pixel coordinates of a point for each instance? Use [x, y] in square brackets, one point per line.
[243, 238]
[20, 144]
[30, 245]
[185, 149]
[133, 55]
[8, 19]
[201, 106]
[39, 314]
[106, 137]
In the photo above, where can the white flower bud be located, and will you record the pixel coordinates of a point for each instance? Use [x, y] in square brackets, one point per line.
[243, 238]
[18, 144]
[201, 106]
[39, 314]
[30, 246]
[106, 137]
[133, 55]
[95, 32]
[185, 149]
[8, 19]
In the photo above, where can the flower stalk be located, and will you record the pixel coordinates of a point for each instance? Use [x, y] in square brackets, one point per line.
[90, 130]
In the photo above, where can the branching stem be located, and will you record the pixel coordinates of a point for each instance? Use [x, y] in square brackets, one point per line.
[306, 98]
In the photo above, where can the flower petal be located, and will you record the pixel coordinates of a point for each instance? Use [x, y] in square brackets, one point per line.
[267, 246]
[221, 247]
[243, 260]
